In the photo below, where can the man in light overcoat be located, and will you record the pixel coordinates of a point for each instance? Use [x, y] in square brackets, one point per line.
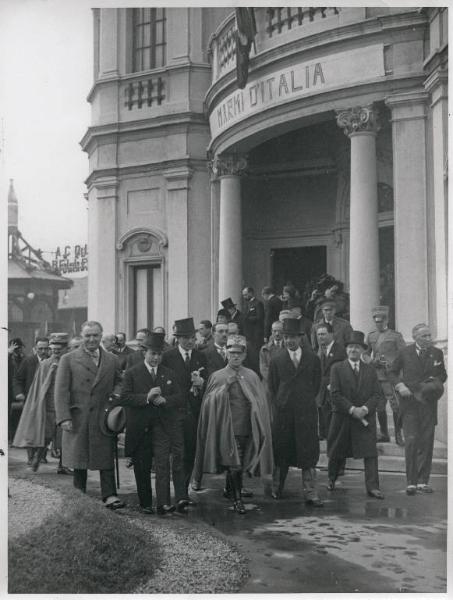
[86, 380]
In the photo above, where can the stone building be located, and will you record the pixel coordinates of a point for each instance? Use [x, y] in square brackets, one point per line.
[333, 158]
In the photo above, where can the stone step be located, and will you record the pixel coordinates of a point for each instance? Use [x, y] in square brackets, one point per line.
[390, 463]
[391, 449]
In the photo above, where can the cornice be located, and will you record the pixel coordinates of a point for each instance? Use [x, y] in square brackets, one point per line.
[322, 40]
[140, 125]
[167, 168]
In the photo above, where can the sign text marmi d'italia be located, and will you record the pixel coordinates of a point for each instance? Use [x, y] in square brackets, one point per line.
[303, 79]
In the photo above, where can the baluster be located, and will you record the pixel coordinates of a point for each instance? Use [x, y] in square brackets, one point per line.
[300, 15]
[270, 15]
[279, 19]
[140, 94]
[311, 13]
[289, 17]
[150, 87]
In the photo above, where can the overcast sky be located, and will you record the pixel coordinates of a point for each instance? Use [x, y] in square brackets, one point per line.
[44, 82]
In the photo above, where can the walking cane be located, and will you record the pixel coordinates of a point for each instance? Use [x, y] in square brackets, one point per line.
[116, 463]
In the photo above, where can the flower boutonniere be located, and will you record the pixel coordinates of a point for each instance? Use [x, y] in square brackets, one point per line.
[169, 382]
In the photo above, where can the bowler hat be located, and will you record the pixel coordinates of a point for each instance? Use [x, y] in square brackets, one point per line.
[185, 327]
[114, 420]
[430, 390]
[357, 337]
[61, 339]
[228, 303]
[154, 341]
[291, 327]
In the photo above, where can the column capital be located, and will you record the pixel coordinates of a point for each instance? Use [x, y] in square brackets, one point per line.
[228, 164]
[359, 119]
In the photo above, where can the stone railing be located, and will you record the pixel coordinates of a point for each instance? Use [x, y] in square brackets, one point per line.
[145, 92]
[280, 19]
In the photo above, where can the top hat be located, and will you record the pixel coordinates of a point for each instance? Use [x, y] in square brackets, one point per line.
[154, 341]
[185, 327]
[237, 341]
[291, 327]
[228, 303]
[61, 339]
[357, 337]
[380, 312]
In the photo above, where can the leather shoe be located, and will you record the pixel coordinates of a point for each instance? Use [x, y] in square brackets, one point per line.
[147, 510]
[276, 495]
[316, 502]
[64, 471]
[239, 507]
[331, 485]
[115, 505]
[383, 438]
[228, 495]
[246, 493]
[424, 488]
[376, 494]
[411, 490]
[181, 506]
[165, 509]
[196, 487]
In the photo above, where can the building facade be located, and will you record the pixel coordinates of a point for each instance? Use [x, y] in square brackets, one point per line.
[333, 158]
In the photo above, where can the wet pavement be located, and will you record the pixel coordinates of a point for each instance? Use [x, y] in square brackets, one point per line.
[353, 544]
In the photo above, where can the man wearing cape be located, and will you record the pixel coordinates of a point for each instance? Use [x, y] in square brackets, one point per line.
[37, 423]
[234, 433]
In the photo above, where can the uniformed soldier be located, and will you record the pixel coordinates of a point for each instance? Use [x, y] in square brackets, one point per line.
[383, 347]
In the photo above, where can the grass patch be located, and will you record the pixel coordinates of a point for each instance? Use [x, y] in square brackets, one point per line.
[83, 549]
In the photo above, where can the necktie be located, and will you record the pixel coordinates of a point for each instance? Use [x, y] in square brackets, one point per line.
[223, 353]
[356, 370]
[422, 354]
[94, 358]
[295, 361]
[153, 374]
[187, 361]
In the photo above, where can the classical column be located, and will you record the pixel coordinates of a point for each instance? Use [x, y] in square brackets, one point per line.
[177, 180]
[229, 168]
[437, 85]
[409, 184]
[102, 233]
[360, 124]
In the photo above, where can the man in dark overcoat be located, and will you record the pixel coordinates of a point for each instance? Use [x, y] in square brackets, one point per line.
[86, 380]
[272, 307]
[122, 350]
[418, 373]
[253, 320]
[153, 427]
[355, 393]
[294, 378]
[216, 353]
[341, 328]
[190, 367]
[230, 312]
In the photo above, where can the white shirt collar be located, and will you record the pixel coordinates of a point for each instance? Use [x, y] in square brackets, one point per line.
[295, 353]
[184, 352]
[353, 364]
[151, 370]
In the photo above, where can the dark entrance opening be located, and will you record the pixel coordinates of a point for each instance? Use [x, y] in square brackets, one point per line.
[297, 266]
[387, 270]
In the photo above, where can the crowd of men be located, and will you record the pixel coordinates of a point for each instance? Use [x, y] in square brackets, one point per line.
[253, 393]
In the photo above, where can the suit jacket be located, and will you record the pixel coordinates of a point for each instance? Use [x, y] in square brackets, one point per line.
[24, 375]
[347, 435]
[253, 323]
[123, 356]
[337, 353]
[82, 394]
[214, 360]
[172, 359]
[141, 416]
[272, 309]
[341, 331]
[410, 369]
[295, 414]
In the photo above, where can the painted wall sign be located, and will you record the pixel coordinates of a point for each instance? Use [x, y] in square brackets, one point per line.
[71, 259]
[304, 79]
